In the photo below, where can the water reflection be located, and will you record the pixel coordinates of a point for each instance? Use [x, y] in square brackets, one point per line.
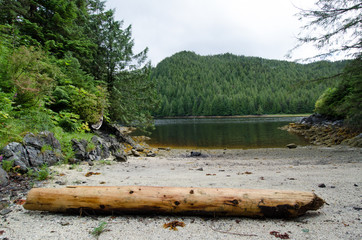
[224, 133]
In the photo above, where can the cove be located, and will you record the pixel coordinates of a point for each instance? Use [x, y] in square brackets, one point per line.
[244, 133]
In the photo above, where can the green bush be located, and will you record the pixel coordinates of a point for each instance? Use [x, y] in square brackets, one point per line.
[7, 165]
[345, 100]
[327, 103]
[89, 106]
[65, 141]
[43, 173]
[32, 75]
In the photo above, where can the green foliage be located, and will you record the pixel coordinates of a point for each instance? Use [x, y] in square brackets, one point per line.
[7, 165]
[104, 162]
[45, 148]
[60, 61]
[31, 173]
[43, 173]
[78, 107]
[65, 140]
[90, 147]
[345, 100]
[32, 75]
[326, 104]
[134, 98]
[226, 84]
[97, 231]
[333, 27]
[89, 106]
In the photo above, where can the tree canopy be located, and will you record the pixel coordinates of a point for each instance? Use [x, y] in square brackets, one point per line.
[337, 29]
[65, 64]
[334, 27]
[226, 84]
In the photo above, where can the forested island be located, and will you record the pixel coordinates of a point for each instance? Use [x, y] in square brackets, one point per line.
[226, 85]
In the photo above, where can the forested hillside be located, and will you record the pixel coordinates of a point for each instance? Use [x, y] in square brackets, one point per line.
[191, 85]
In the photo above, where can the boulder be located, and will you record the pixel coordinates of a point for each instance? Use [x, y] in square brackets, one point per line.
[45, 138]
[120, 156]
[79, 148]
[4, 178]
[16, 152]
[42, 148]
[102, 147]
[121, 134]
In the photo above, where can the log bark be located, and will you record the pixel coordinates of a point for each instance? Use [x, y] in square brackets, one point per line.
[174, 200]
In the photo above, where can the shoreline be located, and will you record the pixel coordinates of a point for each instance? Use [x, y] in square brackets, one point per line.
[239, 116]
[302, 168]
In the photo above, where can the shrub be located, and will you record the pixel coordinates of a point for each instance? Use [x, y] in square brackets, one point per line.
[7, 165]
[43, 173]
[32, 75]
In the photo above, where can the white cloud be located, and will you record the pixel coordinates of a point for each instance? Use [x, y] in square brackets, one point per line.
[263, 28]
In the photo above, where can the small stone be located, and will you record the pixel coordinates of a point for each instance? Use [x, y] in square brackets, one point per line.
[195, 154]
[135, 153]
[355, 185]
[291, 145]
[322, 185]
[60, 182]
[5, 211]
[151, 154]
[200, 169]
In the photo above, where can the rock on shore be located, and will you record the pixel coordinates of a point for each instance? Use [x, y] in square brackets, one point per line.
[321, 130]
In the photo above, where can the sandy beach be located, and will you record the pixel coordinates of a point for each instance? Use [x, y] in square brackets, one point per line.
[303, 168]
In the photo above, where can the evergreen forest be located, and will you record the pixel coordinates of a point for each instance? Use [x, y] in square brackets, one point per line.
[226, 85]
[67, 65]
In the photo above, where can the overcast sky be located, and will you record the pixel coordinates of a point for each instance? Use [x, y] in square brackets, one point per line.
[262, 28]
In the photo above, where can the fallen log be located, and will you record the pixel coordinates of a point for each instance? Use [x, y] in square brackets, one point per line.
[174, 200]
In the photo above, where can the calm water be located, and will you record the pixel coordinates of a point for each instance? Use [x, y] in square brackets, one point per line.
[224, 133]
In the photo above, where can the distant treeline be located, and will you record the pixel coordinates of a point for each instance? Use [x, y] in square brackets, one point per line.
[194, 85]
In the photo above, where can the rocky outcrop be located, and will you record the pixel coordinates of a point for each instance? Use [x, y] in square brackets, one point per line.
[120, 134]
[321, 120]
[99, 148]
[111, 140]
[321, 130]
[354, 142]
[35, 151]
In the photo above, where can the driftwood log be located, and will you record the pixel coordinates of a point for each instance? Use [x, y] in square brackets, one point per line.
[174, 200]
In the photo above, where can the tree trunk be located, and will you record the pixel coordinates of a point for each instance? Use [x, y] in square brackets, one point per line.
[174, 200]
